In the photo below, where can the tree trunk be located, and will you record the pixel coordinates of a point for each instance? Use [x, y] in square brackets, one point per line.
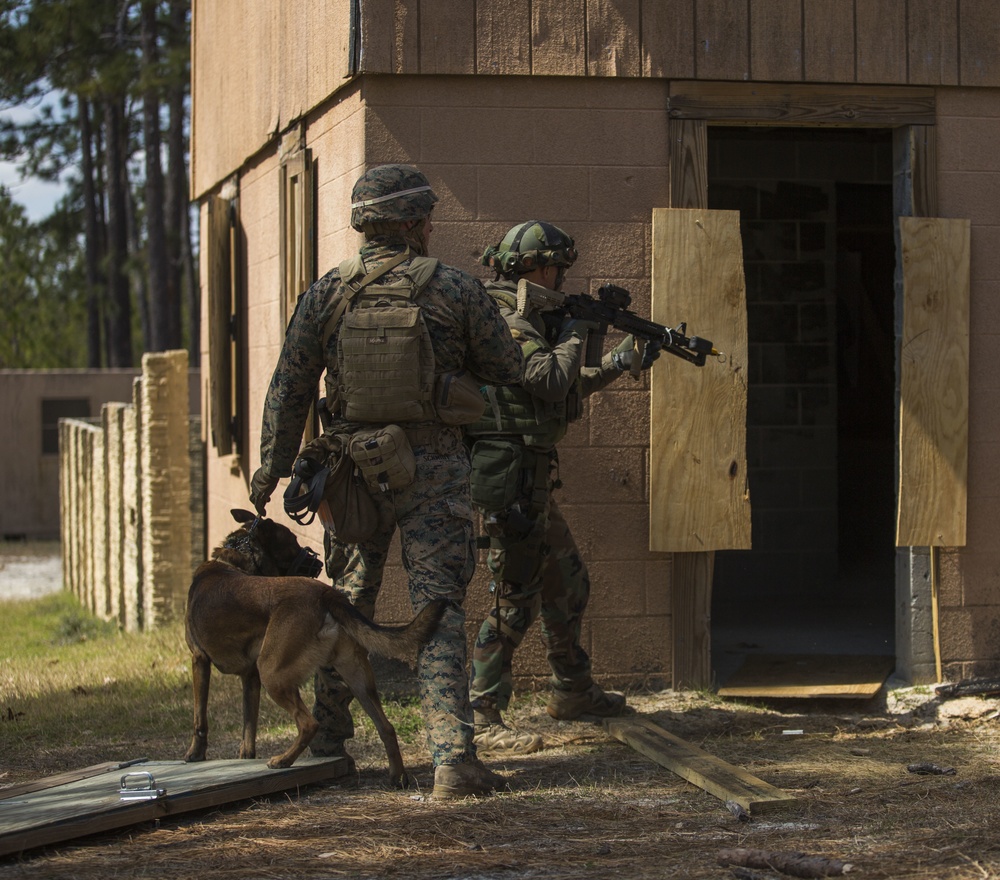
[92, 242]
[120, 309]
[164, 299]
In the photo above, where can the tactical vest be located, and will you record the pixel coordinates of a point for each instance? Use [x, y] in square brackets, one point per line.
[511, 410]
[385, 360]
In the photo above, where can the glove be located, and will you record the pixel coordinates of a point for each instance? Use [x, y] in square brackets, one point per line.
[261, 487]
[622, 354]
[575, 327]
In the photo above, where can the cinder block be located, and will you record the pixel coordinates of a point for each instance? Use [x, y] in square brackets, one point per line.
[632, 646]
[617, 589]
[616, 475]
[620, 418]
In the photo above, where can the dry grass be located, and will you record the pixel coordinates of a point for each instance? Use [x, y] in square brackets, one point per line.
[586, 807]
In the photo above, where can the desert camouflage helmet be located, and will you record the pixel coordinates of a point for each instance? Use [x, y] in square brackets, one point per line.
[528, 246]
[394, 193]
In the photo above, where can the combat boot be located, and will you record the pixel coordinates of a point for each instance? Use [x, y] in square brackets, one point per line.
[568, 705]
[319, 748]
[493, 735]
[471, 778]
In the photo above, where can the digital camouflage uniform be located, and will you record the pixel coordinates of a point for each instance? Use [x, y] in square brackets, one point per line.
[433, 513]
[537, 572]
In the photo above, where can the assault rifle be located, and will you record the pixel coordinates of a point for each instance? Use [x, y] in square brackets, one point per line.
[610, 309]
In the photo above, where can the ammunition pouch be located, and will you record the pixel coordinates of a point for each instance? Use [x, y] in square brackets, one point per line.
[457, 398]
[385, 457]
[496, 474]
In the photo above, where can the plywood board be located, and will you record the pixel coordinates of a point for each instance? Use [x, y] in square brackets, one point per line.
[934, 383]
[809, 675]
[699, 499]
[718, 778]
[89, 802]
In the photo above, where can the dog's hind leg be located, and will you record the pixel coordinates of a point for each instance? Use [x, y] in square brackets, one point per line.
[251, 711]
[201, 673]
[351, 661]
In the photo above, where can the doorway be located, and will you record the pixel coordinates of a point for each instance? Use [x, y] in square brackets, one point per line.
[816, 216]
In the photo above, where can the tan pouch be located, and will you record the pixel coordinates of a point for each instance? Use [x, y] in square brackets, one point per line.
[457, 398]
[384, 457]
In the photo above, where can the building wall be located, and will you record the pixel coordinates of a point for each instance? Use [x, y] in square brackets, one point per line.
[29, 476]
[969, 187]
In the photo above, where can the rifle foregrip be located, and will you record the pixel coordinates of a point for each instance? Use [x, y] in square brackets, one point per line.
[594, 350]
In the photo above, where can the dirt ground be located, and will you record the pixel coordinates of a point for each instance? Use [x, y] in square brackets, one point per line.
[589, 806]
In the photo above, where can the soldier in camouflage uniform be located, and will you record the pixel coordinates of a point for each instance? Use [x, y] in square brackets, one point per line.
[392, 207]
[536, 568]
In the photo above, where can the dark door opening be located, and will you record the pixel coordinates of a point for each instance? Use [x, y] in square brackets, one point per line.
[816, 216]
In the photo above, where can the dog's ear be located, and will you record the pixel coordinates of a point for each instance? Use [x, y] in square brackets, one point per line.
[242, 516]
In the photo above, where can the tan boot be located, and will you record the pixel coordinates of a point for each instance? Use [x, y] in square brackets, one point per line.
[472, 778]
[567, 705]
[493, 735]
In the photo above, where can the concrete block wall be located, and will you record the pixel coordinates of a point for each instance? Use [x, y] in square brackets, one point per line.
[131, 534]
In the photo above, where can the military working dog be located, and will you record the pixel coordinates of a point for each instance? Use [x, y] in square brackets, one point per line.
[248, 614]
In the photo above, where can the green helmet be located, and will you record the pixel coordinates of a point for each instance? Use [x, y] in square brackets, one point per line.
[391, 193]
[528, 246]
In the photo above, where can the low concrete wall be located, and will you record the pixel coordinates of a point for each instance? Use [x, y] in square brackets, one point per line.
[132, 499]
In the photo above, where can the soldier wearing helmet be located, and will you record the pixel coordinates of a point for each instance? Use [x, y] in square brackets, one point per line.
[536, 567]
[392, 205]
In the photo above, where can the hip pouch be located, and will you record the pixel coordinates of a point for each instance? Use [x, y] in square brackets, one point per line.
[384, 457]
[496, 474]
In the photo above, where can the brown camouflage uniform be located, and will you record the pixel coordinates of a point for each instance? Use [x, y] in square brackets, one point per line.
[433, 514]
[549, 579]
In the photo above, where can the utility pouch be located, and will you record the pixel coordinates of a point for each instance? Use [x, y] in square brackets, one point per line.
[457, 398]
[496, 474]
[326, 483]
[384, 457]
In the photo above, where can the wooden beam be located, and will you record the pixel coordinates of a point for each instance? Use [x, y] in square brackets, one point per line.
[735, 103]
[711, 774]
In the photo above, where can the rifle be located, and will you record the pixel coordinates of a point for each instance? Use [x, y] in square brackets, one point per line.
[610, 309]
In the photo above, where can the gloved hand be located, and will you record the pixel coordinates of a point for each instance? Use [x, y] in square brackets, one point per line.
[575, 327]
[622, 354]
[261, 487]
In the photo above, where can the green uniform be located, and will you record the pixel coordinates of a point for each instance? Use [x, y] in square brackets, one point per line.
[434, 513]
[536, 566]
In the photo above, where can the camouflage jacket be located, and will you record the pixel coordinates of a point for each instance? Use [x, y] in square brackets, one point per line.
[466, 328]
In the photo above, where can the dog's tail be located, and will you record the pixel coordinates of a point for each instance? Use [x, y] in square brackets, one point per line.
[399, 642]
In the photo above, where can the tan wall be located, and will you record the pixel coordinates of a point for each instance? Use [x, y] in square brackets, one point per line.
[255, 68]
[259, 66]
[29, 479]
[969, 187]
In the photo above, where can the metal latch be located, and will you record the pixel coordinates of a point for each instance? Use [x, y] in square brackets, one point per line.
[140, 786]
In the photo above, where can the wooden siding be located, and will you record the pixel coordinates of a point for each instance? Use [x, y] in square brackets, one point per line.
[897, 42]
[255, 75]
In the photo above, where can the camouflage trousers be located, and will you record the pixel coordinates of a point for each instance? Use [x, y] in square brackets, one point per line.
[434, 518]
[557, 593]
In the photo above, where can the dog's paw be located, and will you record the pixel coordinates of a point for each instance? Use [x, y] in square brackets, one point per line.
[194, 755]
[401, 780]
[279, 762]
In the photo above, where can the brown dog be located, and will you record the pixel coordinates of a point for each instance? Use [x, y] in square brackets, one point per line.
[248, 617]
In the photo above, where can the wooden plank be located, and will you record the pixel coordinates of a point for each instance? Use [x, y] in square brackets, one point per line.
[828, 42]
[881, 36]
[390, 41]
[691, 614]
[932, 42]
[64, 778]
[979, 35]
[698, 472]
[613, 38]
[668, 39]
[794, 104]
[92, 804]
[722, 40]
[220, 309]
[776, 40]
[804, 676]
[934, 383]
[711, 774]
[447, 37]
[503, 37]
[688, 140]
[558, 38]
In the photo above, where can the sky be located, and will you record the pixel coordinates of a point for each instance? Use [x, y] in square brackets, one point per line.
[37, 196]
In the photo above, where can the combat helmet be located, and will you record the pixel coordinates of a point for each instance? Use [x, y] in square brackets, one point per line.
[390, 194]
[530, 245]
